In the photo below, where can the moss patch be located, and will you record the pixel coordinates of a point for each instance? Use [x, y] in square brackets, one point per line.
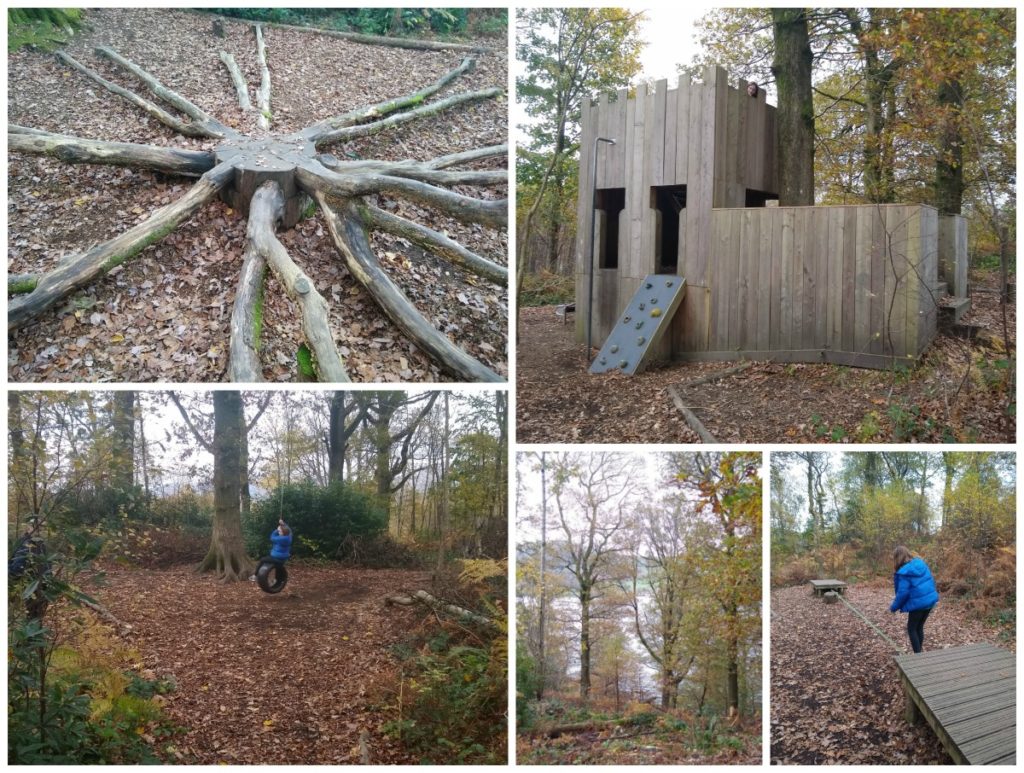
[116, 260]
[22, 286]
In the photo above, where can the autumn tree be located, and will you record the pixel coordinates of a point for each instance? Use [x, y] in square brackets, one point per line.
[728, 491]
[661, 588]
[568, 53]
[591, 493]
[226, 557]
[794, 142]
[347, 415]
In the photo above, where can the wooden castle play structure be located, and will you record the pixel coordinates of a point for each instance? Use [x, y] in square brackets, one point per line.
[684, 190]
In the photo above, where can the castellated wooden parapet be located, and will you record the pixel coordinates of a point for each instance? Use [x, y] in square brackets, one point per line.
[685, 190]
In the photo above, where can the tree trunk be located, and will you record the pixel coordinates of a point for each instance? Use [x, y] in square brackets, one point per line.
[16, 482]
[795, 117]
[543, 571]
[227, 557]
[337, 441]
[122, 467]
[442, 519]
[949, 163]
[584, 646]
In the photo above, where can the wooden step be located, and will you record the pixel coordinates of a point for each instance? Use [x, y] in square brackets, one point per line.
[953, 309]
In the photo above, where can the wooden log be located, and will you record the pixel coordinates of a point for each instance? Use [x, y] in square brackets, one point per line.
[381, 109]
[182, 127]
[690, 417]
[78, 270]
[76, 150]
[213, 127]
[349, 234]
[347, 133]
[265, 209]
[465, 157]
[413, 170]
[422, 597]
[435, 242]
[263, 94]
[241, 87]
[413, 44]
[316, 177]
[247, 318]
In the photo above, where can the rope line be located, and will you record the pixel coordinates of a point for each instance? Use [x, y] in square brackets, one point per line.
[878, 630]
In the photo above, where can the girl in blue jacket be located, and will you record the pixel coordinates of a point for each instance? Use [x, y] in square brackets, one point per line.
[915, 592]
[280, 546]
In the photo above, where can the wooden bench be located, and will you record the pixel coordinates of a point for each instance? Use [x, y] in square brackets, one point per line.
[968, 696]
[820, 586]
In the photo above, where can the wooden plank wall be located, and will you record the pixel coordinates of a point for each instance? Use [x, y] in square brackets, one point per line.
[820, 284]
[953, 254]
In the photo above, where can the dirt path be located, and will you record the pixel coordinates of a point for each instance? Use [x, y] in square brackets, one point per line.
[558, 401]
[835, 694]
[285, 679]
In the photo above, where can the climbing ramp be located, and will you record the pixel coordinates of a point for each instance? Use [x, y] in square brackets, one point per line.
[642, 324]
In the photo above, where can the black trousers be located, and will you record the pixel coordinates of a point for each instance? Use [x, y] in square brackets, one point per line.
[915, 627]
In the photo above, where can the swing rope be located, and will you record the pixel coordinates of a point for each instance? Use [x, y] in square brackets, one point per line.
[877, 630]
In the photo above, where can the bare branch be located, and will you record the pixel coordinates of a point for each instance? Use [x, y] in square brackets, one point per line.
[367, 129]
[316, 177]
[78, 270]
[188, 422]
[349, 235]
[373, 112]
[213, 127]
[76, 150]
[436, 242]
[453, 159]
[263, 95]
[241, 87]
[265, 209]
[187, 129]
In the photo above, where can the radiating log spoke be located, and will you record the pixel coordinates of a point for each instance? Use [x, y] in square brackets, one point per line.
[381, 109]
[347, 133]
[316, 177]
[247, 319]
[467, 156]
[238, 80]
[78, 270]
[414, 170]
[349, 234]
[435, 242]
[182, 127]
[77, 150]
[265, 210]
[263, 95]
[213, 127]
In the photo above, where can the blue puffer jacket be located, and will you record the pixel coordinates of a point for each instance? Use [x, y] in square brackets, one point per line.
[915, 588]
[282, 545]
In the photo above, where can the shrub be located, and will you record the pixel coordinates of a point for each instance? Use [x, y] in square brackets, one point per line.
[326, 522]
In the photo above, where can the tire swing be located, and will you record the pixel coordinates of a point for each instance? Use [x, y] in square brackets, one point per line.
[263, 573]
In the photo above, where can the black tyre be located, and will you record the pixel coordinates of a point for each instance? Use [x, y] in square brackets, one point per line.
[271, 577]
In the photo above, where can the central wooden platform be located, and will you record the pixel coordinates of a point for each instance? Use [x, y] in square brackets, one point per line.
[968, 695]
[256, 161]
[820, 586]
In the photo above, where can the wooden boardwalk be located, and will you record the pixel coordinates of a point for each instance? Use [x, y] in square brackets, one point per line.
[968, 695]
[820, 586]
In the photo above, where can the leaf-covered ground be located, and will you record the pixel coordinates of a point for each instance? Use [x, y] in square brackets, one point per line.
[293, 678]
[835, 693]
[653, 737]
[939, 401]
[164, 316]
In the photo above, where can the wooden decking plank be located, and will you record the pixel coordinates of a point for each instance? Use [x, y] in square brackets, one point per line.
[991, 747]
[973, 659]
[930, 654]
[986, 709]
[937, 685]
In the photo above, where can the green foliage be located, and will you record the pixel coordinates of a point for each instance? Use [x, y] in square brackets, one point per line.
[545, 289]
[453, 705]
[42, 28]
[69, 699]
[325, 521]
[374, 21]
